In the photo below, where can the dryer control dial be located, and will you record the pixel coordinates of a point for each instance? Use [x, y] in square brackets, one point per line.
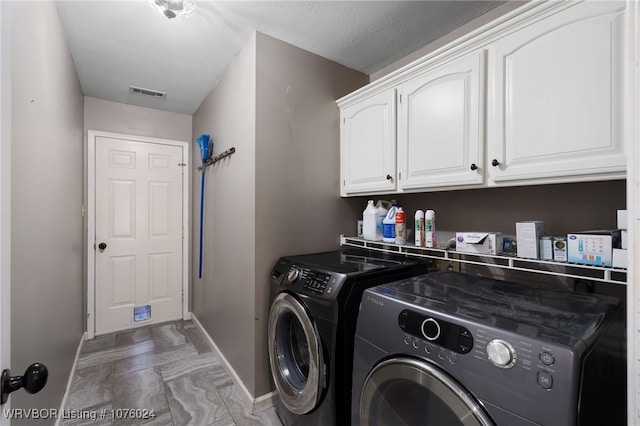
[293, 274]
[502, 353]
[430, 329]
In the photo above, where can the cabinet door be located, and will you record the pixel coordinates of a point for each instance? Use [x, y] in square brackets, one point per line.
[368, 145]
[440, 126]
[555, 98]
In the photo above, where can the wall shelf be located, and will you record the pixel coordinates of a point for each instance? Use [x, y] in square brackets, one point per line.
[505, 261]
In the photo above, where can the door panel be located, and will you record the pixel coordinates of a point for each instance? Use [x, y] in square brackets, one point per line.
[139, 218]
[557, 99]
[367, 140]
[440, 126]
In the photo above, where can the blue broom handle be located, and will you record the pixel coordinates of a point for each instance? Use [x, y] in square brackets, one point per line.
[201, 223]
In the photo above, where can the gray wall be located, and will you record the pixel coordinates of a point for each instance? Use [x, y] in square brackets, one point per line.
[223, 300]
[46, 201]
[277, 195]
[565, 208]
[298, 204]
[115, 117]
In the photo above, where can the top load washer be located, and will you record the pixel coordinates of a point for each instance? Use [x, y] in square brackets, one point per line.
[453, 349]
[312, 325]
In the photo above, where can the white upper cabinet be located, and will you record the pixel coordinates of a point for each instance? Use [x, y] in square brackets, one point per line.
[368, 145]
[441, 127]
[535, 97]
[555, 104]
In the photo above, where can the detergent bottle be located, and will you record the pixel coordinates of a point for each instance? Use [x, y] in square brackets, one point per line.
[389, 224]
[369, 222]
[381, 213]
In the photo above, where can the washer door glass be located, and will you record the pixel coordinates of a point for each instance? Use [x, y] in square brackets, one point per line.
[295, 355]
[411, 392]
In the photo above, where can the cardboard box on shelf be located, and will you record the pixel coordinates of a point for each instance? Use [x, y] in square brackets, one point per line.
[528, 235]
[479, 242]
[593, 247]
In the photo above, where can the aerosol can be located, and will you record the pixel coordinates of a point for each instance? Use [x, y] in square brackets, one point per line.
[419, 228]
[401, 227]
[430, 228]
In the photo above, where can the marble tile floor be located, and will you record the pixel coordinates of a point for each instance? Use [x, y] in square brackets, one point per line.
[169, 370]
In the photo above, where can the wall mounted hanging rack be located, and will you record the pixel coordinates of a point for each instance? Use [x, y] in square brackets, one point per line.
[212, 160]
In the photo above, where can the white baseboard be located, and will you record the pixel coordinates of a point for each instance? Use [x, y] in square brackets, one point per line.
[253, 404]
[71, 374]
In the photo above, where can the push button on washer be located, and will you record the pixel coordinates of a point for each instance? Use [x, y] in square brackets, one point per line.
[545, 380]
[547, 358]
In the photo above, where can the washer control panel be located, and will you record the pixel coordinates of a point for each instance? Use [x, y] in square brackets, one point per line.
[313, 281]
[442, 333]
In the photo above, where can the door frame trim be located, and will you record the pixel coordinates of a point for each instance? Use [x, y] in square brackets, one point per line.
[91, 225]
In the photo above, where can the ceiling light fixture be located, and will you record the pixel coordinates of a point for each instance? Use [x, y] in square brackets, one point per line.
[174, 8]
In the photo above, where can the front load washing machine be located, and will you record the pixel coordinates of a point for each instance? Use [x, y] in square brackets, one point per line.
[312, 325]
[452, 349]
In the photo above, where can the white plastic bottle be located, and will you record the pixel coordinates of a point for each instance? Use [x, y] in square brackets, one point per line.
[381, 213]
[369, 222]
[401, 227]
[430, 228]
[389, 224]
[419, 228]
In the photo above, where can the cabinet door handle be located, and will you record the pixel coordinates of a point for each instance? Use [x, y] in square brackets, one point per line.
[389, 177]
[473, 167]
[495, 163]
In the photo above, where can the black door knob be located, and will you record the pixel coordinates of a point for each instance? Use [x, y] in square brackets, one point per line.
[33, 380]
[495, 162]
[102, 246]
[473, 166]
[389, 177]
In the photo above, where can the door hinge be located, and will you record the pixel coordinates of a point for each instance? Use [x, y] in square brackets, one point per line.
[83, 211]
[182, 164]
[400, 98]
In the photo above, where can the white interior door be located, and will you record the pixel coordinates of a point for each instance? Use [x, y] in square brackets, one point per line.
[138, 233]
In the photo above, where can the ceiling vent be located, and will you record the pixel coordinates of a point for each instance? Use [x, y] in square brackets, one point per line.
[146, 92]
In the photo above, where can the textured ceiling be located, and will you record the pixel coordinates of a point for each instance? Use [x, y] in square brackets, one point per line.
[117, 44]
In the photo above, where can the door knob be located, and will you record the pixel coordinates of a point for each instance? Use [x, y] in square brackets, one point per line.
[33, 380]
[102, 246]
[473, 167]
[495, 162]
[389, 177]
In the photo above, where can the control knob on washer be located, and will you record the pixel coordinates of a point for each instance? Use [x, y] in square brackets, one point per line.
[293, 274]
[501, 353]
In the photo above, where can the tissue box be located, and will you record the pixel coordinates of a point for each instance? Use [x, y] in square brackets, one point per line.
[593, 247]
[527, 236]
[479, 242]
